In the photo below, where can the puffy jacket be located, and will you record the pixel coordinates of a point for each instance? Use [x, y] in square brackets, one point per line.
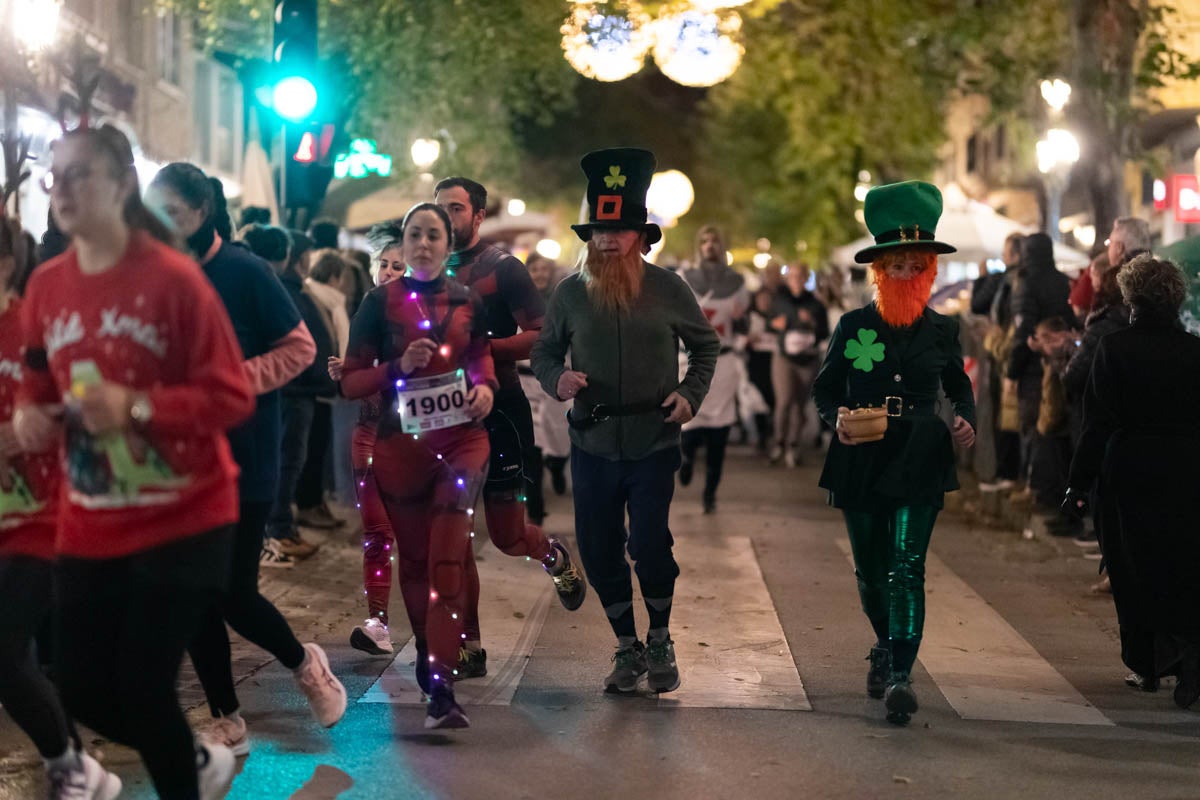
[1100, 323]
[314, 381]
[1041, 292]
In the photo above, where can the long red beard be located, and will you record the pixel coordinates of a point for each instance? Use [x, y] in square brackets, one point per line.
[613, 282]
[901, 302]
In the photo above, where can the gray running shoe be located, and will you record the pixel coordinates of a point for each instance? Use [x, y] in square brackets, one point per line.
[629, 664]
[663, 674]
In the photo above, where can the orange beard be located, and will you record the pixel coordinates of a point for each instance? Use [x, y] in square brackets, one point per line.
[613, 282]
[901, 302]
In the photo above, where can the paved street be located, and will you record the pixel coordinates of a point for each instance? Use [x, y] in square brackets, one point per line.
[1020, 679]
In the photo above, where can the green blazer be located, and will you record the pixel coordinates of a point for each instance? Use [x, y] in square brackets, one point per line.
[870, 363]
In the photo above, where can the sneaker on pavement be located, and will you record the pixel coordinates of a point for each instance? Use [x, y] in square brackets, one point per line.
[215, 766]
[1136, 681]
[662, 674]
[298, 549]
[272, 557]
[443, 711]
[319, 517]
[325, 693]
[789, 459]
[568, 583]
[629, 664]
[86, 780]
[471, 663]
[776, 454]
[228, 732]
[372, 637]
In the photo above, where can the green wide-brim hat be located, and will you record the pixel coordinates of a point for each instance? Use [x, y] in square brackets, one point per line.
[901, 215]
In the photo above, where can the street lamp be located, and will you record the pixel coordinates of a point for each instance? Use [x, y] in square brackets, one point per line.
[1056, 93]
[425, 153]
[670, 196]
[35, 23]
[1056, 154]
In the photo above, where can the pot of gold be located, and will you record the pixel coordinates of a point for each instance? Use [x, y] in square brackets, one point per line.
[864, 425]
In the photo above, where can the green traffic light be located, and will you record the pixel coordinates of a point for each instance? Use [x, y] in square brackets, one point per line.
[294, 98]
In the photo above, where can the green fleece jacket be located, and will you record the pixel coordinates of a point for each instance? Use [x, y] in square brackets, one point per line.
[629, 359]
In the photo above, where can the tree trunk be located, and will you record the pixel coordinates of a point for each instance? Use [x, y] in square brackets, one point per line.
[1106, 34]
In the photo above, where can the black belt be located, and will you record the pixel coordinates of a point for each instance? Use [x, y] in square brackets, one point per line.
[603, 411]
[900, 407]
[725, 351]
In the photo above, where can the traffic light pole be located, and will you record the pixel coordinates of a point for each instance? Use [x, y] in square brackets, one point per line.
[283, 164]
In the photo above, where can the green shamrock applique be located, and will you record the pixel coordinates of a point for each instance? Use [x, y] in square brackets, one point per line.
[864, 350]
[614, 178]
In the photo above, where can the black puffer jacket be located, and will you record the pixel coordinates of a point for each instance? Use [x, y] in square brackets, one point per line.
[1100, 323]
[1040, 293]
[314, 381]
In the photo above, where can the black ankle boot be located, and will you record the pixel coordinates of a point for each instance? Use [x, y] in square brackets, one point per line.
[900, 700]
[877, 675]
[1187, 691]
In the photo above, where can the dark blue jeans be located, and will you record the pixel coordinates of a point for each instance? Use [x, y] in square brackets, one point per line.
[604, 491]
[298, 415]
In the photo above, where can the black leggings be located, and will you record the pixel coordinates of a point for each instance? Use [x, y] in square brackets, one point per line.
[714, 441]
[25, 692]
[248, 613]
[125, 623]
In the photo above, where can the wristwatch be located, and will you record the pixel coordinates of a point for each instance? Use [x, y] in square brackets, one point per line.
[140, 410]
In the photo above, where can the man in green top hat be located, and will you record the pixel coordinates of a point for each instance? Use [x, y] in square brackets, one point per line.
[895, 353]
[622, 318]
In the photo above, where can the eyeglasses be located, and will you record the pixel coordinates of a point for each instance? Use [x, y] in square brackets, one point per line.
[69, 177]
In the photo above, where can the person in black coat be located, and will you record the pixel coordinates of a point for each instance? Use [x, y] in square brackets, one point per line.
[895, 353]
[1137, 458]
[1041, 292]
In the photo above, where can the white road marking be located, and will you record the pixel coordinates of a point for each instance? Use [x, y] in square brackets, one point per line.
[729, 644]
[515, 595]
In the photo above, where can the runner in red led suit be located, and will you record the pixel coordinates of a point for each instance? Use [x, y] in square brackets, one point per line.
[421, 340]
[514, 310]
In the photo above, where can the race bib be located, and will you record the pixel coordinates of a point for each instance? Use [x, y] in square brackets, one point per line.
[797, 342]
[431, 404]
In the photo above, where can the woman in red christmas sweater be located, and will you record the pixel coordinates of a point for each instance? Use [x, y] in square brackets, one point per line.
[29, 486]
[422, 341]
[130, 338]
[373, 636]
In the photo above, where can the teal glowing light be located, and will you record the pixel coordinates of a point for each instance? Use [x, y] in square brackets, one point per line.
[361, 161]
[294, 98]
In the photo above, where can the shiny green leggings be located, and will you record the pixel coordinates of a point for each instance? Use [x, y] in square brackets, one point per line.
[889, 562]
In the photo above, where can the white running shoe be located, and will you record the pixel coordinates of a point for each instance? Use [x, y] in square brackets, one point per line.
[325, 693]
[372, 637]
[215, 767]
[789, 459]
[272, 556]
[228, 732]
[87, 781]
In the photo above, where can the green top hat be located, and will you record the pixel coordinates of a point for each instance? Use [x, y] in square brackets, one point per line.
[902, 215]
[618, 179]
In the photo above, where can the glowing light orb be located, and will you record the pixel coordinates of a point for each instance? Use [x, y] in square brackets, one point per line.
[695, 48]
[606, 41]
[670, 196]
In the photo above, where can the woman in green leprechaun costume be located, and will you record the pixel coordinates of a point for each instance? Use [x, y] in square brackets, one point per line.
[893, 356]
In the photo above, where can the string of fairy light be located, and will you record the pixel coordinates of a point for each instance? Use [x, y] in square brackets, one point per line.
[425, 323]
[695, 43]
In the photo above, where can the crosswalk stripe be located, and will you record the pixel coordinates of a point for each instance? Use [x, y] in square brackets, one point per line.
[515, 596]
[985, 669]
[729, 645]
